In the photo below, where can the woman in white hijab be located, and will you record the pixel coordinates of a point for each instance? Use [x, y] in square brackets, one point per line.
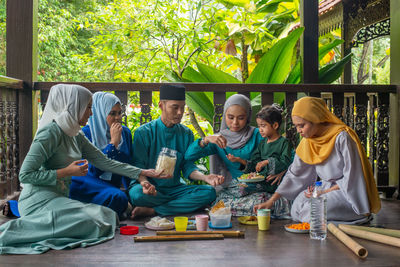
[49, 219]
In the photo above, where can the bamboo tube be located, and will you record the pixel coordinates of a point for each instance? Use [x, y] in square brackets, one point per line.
[177, 237]
[389, 240]
[359, 250]
[383, 231]
[224, 233]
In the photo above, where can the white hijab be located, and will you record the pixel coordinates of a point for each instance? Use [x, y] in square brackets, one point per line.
[66, 105]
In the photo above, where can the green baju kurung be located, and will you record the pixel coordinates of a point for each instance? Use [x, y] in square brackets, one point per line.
[49, 219]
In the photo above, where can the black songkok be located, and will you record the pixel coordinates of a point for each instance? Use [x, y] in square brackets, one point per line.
[172, 92]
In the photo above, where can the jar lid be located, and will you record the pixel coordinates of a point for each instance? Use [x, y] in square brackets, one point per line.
[129, 230]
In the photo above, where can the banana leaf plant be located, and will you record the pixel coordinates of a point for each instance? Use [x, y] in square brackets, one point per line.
[274, 67]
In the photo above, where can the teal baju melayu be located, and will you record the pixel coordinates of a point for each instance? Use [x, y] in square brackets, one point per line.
[50, 220]
[173, 197]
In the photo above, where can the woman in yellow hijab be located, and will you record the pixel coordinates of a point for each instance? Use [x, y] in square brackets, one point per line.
[331, 151]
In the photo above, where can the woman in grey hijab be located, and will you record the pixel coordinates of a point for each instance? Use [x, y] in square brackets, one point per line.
[236, 139]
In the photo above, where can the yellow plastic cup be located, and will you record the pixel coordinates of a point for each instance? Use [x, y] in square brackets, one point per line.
[181, 223]
[263, 219]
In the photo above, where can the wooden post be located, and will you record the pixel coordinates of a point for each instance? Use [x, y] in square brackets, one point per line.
[22, 62]
[346, 46]
[394, 141]
[309, 40]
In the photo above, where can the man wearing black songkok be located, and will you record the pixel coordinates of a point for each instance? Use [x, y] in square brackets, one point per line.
[173, 197]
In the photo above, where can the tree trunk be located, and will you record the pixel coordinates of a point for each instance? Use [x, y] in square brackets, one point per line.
[245, 63]
[195, 124]
[361, 77]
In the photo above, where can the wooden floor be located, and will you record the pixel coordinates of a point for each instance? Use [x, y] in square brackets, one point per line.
[275, 247]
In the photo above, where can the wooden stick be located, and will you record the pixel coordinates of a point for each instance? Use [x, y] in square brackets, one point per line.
[177, 237]
[383, 231]
[359, 250]
[389, 240]
[224, 233]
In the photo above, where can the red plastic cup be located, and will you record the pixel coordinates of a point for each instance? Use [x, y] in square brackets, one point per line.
[201, 222]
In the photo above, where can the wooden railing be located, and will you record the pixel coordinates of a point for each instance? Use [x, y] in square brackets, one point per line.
[365, 108]
[9, 127]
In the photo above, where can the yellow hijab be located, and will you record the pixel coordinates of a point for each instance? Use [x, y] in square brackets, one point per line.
[316, 150]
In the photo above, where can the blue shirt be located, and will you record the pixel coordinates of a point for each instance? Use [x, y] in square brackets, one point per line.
[123, 154]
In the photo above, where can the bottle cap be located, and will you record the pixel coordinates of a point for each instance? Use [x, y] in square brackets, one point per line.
[129, 230]
[319, 183]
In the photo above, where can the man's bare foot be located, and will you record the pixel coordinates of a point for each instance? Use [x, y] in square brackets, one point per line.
[6, 209]
[142, 211]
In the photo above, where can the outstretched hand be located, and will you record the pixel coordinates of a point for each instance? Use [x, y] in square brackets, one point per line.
[277, 178]
[233, 158]
[155, 174]
[217, 139]
[214, 179]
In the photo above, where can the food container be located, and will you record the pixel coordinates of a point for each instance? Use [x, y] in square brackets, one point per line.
[220, 220]
[166, 161]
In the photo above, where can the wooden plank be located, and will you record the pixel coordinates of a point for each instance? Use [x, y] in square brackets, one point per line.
[178, 237]
[226, 233]
[11, 83]
[267, 98]
[229, 87]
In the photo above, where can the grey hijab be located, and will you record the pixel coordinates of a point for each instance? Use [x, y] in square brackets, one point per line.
[237, 139]
[234, 140]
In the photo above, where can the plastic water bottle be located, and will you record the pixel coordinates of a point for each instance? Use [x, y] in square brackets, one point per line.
[318, 214]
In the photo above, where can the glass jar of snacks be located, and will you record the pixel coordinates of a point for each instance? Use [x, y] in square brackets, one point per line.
[166, 161]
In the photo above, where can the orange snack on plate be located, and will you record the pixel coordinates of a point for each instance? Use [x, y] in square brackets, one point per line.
[300, 226]
[220, 204]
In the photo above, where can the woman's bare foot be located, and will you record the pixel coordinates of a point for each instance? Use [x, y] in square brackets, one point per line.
[142, 211]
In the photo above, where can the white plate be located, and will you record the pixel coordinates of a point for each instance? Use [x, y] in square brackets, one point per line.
[159, 228]
[254, 180]
[295, 230]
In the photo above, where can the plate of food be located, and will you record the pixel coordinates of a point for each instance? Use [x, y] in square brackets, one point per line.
[158, 224]
[298, 228]
[191, 225]
[250, 220]
[252, 177]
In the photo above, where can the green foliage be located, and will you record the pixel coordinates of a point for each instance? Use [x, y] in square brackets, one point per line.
[332, 72]
[275, 65]
[60, 39]
[3, 37]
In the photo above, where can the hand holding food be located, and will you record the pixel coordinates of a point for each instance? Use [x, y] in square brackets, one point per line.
[261, 165]
[217, 139]
[214, 179]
